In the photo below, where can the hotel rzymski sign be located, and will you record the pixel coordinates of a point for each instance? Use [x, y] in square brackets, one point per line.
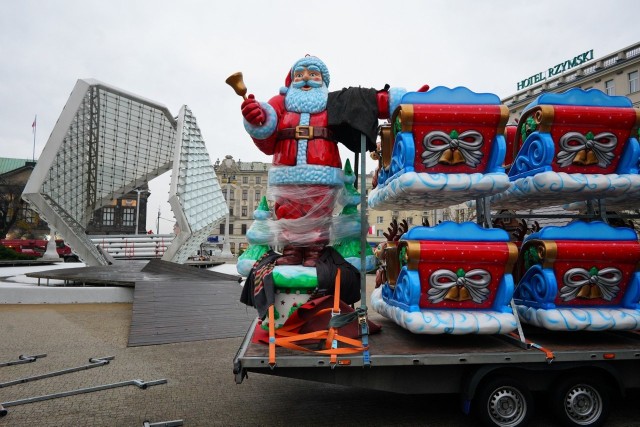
[556, 69]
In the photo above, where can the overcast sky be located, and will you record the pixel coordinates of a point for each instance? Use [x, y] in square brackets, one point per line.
[180, 53]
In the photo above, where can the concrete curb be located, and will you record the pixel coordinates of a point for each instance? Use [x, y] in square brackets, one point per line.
[64, 295]
[17, 288]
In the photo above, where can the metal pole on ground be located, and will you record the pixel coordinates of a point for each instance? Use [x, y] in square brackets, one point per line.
[138, 383]
[174, 423]
[94, 363]
[22, 358]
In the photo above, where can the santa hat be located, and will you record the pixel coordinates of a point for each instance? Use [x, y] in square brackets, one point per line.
[306, 62]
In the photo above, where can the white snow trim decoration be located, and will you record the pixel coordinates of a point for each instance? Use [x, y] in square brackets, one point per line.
[578, 319]
[455, 322]
[427, 190]
[558, 188]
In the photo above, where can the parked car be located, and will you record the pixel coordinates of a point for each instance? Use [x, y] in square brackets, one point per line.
[37, 247]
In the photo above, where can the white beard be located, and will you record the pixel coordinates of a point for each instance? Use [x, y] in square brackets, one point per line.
[306, 101]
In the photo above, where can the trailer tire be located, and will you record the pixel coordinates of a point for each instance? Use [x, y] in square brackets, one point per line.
[503, 402]
[581, 401]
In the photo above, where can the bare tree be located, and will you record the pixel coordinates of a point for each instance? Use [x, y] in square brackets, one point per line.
[10, 205]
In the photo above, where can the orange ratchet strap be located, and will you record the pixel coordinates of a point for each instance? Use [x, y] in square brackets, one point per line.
[548, 353]
[285, 337]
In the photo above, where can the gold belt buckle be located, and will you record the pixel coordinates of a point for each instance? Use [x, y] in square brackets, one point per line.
[304, 132]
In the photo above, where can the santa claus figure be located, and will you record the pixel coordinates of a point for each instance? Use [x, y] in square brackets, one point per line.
[301, 128]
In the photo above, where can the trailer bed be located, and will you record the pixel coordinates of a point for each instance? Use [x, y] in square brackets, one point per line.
[396, 356]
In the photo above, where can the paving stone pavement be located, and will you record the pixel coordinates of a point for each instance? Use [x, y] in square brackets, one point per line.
[200, 391]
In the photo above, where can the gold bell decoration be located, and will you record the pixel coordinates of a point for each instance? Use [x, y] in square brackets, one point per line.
[236, 81]
[585, 157]
[451, 157]
[458, 293]
[589, 291]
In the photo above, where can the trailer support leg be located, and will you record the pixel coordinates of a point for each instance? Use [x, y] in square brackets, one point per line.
[23, 359]
[138, 383]
[94, 363]
[174, 423]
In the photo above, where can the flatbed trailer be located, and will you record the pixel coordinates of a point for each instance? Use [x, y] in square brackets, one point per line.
[495, 375]
[581, 372]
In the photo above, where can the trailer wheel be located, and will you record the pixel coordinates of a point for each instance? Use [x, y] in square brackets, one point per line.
[580, 401]
[503, 402]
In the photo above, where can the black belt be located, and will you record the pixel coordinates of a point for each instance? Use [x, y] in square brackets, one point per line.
[305, 132]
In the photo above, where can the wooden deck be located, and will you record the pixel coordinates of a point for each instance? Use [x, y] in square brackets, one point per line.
[186, 304]
[122, 273]
[171, 302]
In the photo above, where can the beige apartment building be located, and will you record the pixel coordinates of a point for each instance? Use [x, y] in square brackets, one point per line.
[617, 73]
[243, 184]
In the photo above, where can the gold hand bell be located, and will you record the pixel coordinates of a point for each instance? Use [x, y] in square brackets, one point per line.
[237, 83]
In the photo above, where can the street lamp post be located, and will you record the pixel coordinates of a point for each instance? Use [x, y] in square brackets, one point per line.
[137, 210]
[226, 247]
[228, 175]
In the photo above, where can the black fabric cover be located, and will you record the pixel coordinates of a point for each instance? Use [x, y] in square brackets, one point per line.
[327, 266]
[353, 111]
[266, 295]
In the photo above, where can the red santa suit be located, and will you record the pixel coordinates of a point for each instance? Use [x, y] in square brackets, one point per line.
[283, 143]
[304, 156]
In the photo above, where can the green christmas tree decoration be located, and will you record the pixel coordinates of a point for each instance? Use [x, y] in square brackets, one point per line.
[348, 244]
[255, 236]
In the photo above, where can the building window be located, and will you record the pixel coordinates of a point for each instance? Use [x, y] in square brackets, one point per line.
[244, 229]
[108, 215]
[379, 233]
[245, 194]
[258, 180]
[245, 179]
[425, 220]
[222, 229]
[128, 217]
[244, 211]
[257, 196]
[379, 220]
[29, 216]
[633, 82]
[459, 215]
[230, 211]
[410, 220]
[610, 87]
[232, 195]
